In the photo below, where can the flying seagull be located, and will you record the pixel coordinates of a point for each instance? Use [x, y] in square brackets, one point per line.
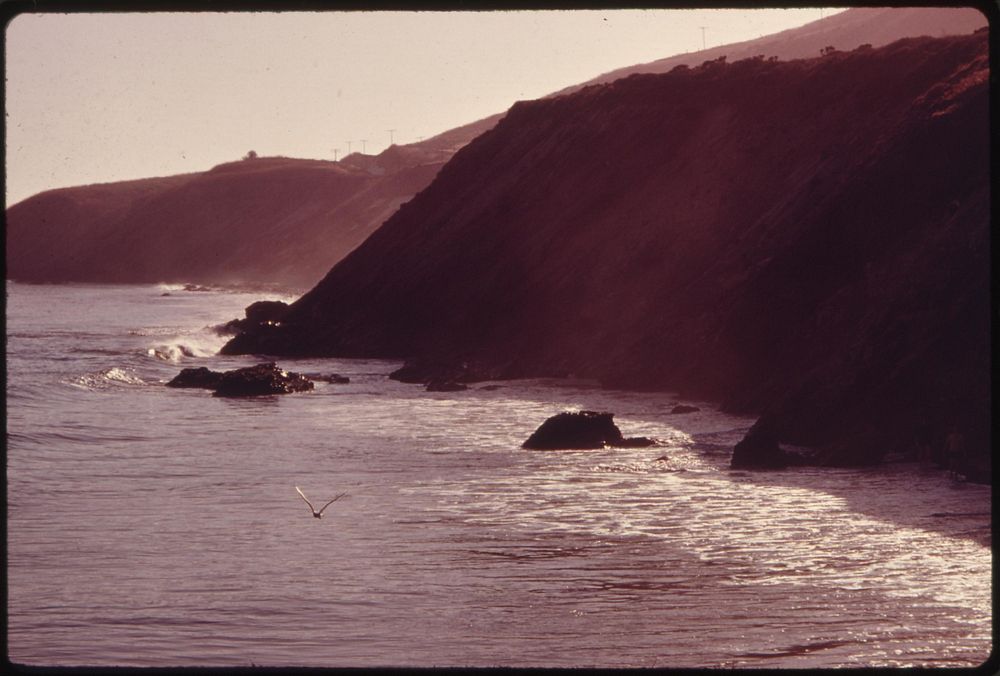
[319, 514]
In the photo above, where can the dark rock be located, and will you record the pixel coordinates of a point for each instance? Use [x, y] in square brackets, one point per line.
[196, 377]
[759, 449]
[265, 311]
[635, 442]
[490, 388]
[259, 380]
[328, 378]
[261, 314]
[445, 386]
[586, 429]
[683, 408]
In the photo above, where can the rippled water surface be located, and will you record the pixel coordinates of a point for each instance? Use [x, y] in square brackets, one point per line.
[151, 526]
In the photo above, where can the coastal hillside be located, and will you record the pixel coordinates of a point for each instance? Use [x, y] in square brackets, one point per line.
[263, 220]
[848, 30]
[845, 31]
[804, 239]
[280, 221]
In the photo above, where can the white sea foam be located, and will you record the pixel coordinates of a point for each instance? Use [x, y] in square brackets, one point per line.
[111, 377]
[167, 288]
[199, 345]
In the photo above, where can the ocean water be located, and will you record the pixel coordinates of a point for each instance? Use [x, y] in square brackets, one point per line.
[150, 526]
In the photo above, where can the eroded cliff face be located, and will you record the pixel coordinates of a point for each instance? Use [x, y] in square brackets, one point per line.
[262, 221]
[807, 239]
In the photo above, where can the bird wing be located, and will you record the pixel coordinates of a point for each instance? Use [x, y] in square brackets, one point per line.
[331, 502]
[305, 498]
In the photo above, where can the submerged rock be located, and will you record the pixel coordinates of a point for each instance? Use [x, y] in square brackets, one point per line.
[445, 386]
[196, 377]
[586, 429]
[328, 378]
[684, 408]
[259, 380]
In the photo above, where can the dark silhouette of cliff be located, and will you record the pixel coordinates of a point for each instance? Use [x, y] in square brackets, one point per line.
[804, 239]
[285, 221]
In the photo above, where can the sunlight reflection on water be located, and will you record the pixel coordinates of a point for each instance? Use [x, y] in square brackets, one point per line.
[179, 540]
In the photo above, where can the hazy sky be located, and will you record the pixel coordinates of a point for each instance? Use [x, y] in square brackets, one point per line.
[105, 97]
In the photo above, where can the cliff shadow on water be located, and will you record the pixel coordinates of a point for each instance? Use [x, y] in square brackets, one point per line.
[808, 240]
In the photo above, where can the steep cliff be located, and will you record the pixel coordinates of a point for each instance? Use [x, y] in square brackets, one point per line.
[807, 239]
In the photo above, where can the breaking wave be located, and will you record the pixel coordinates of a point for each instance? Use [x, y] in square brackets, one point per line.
[170, 288]
[199, 346]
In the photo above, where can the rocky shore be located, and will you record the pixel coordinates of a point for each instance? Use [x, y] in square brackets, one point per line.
[780, 249]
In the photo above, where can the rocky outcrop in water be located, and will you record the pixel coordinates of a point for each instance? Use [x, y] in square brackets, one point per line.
[445, 386]
[251, 381]
[581, 430]
[261, 379]
[684, 408]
